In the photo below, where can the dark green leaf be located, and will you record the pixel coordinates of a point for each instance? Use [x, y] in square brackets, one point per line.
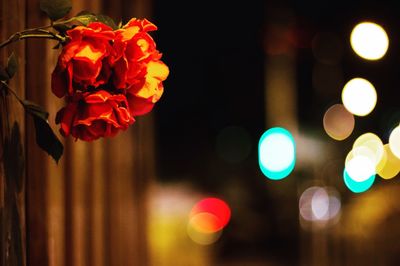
[12, 65]
[3, 74]
[62, 28]
[56, 9]
[35, 110]
[86, 19]
[46, 139]
[107, 20]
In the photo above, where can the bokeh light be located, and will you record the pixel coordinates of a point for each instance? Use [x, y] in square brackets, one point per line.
[374, 144]
[218, 212]
[233, 144]
[390, 166]
[207, 219]
[200, 237]
[357, 187]
[369, 40]
[319, 204]
[205, 222]
[359, 96]
[277, 153]
[394, 141]
[215, 207]
[338, 122]
[360, 164]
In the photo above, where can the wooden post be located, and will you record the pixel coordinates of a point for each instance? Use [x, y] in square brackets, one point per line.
[12, 145]
[90, 208]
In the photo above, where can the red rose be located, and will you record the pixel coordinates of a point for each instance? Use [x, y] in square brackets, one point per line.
[132, 48]
[91, 115]
[137, 66]
[108, 77]
[148, 89]
[82, 62]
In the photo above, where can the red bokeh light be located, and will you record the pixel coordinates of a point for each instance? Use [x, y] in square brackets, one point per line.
[210, 215]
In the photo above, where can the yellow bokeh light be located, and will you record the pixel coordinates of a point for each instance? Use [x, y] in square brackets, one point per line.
[390, 167]
[201, 237]
[394, 141]
[373, 143]
[382, 163]
[338, 122]
[359, 96]
[369, 41]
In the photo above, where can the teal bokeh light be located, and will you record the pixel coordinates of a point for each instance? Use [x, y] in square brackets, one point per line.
[276, 153]
[358, 187]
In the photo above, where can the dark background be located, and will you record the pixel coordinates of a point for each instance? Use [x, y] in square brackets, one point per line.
[215, 51]
[217, 58]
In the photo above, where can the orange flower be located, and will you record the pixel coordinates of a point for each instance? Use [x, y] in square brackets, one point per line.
[108, 77]
[89, 116]
[137, 66]
[81, 63]
[148, 90]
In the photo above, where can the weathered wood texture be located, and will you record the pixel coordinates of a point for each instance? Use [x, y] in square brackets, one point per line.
[12, 136]
[90, 209]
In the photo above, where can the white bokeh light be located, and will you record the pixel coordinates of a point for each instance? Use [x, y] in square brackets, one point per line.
[360, 168]
[369, 41]
[370, 145]
[359, 96]
[394, 141]
[277, 152]
[360, 163]
[320, 204]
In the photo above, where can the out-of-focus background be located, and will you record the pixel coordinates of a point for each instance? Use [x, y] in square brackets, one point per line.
[239, 68]
[195, 182]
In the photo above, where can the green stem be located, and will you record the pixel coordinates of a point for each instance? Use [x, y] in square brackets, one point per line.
[41, 36]
[32, 33]
[49, 26]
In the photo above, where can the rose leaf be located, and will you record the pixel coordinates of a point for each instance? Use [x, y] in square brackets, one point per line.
[45, 137]
[107, 20]
[86, 19]
[35, 109]
[62, 28]
[3, 74]
[12, 65]
[56, 9]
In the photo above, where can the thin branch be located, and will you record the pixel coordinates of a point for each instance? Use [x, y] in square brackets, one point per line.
[41, 36]
[20, 36]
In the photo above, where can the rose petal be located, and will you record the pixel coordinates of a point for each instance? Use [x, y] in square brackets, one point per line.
[65, 118]
[59, 82]
[85, 71]
[139, 106]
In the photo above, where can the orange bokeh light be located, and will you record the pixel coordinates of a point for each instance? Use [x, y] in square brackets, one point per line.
[210, 215]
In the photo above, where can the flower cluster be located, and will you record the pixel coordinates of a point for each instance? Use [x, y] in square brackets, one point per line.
[107, 78]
